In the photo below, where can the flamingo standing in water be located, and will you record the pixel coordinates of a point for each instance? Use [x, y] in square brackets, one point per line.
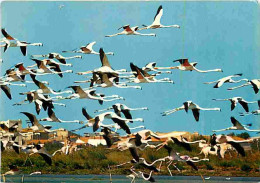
[254, 82]
[157, 21]
[87, 50]
[192, 106]
[13, 42]
[130, 31]
[188, 66]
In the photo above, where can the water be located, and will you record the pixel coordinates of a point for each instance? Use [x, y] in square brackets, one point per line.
[123, 179]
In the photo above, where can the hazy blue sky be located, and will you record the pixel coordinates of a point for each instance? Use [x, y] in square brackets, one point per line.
[215, 34]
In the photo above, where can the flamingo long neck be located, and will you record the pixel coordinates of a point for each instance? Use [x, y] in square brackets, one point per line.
[136, 109]
[136, 127]
[209, 109]
[58, 93]
[60, 104]
[76, 56]
[193, 142]
[251, 130]
[246, 84]
[166, 67]
[136, 119]
[137, 33]
[86, 81]
[94, 52]
[108, 100]
[35, 44]
[205, 71]
[104, 109]
[169, 26]
[117, 34]
[109, 53]
[220, 130]
[173, 110]
[238, 81]
[73, 121]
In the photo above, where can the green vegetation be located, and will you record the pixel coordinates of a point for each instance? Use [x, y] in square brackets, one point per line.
[95, 160]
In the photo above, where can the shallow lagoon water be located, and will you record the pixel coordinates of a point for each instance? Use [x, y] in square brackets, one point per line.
[123, 179]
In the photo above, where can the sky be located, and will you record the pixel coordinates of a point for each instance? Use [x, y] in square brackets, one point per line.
[215, 34]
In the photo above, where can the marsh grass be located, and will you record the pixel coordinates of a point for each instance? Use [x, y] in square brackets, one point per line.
[95, 160]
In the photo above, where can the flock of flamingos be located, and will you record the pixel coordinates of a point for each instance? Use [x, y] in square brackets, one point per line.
[44, 97]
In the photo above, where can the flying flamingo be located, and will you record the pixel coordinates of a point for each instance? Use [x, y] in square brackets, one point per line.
[36, 126]
[91, 121]
[36, 149]
[43, 89]
[43, 69]
[192, 106]
[157, 21]
[118, 108]
[40, 101]
[57, 56]
[88, 50]
[236, 100]
[188, 66]
[50, 62]
[129, 31]
[6, 89]
[52, 118]
[113, 80]
[108, 80]
[23, 71]
[174, 156]
[90, 94]
[106, 67]
[227, 79]
[235, 143]
[236, 126]
[254, 82]
[132, 144]
[12, 76]
[151, 67]
[13, 42]
[256, 112]
[117, 119]
[142, 76]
